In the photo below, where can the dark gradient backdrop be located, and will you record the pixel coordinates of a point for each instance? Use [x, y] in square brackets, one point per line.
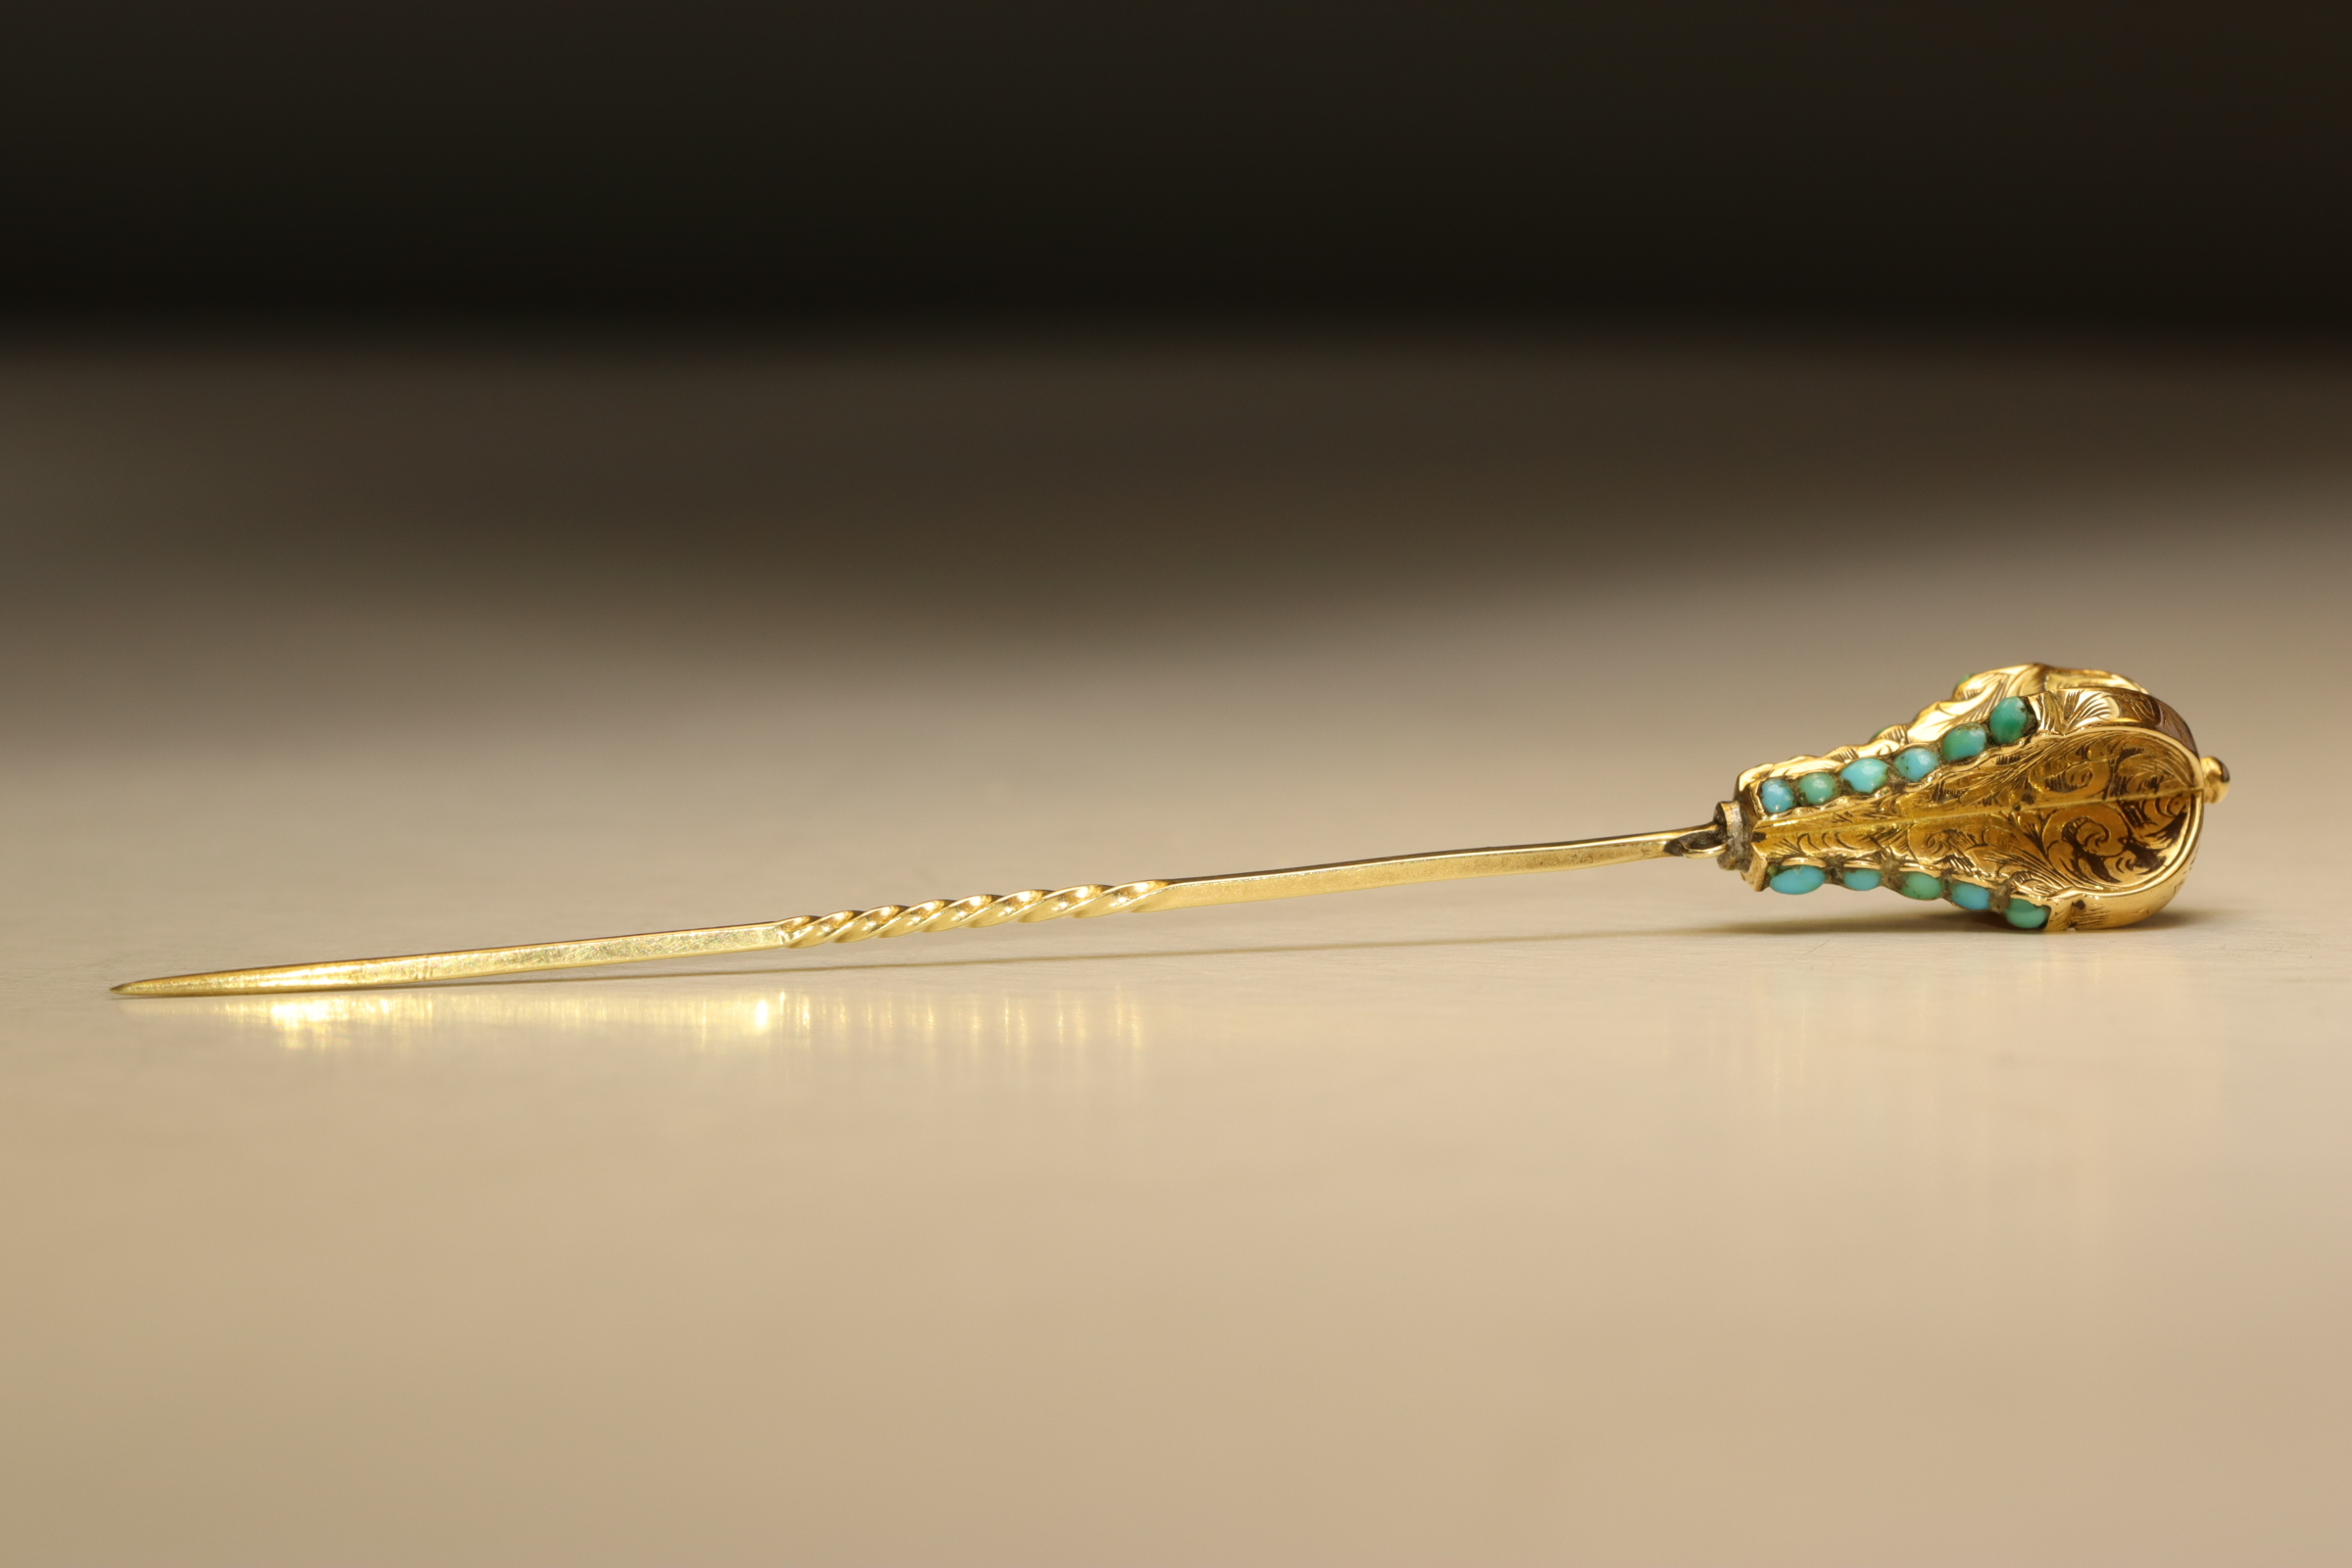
[2179, 164]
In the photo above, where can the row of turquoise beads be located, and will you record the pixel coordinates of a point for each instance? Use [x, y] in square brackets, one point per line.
[2011, 717]
[1971, 896]
[2010, 720]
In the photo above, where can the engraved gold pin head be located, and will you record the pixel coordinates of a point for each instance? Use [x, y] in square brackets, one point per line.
[2051, 800]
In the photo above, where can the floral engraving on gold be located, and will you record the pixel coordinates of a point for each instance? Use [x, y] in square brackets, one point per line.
[2093, 814]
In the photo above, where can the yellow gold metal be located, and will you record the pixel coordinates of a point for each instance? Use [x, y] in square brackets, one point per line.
[2094, 815]
[936, 915]
[899, 920]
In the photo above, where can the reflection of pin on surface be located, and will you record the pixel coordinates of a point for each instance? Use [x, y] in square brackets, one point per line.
[1084, 1029]
[2049, 798]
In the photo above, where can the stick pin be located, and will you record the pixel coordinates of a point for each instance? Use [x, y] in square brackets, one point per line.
[2053, 799]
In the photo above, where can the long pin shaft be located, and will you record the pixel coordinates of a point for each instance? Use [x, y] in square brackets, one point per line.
[939, 914]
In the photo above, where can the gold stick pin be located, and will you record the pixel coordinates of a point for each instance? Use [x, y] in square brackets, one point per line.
[2054, 800]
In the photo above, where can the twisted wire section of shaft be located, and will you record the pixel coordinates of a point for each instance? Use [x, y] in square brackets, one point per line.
[1247, 887]
[963, 914]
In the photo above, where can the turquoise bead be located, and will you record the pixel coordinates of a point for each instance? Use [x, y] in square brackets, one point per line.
[1861, 878]
[1818, 789]
[1969, 896]
[2027, 917]
[1798, 879]
[1959, 744]
[1864, 775]
[1775, 795]
[1915, 763]
[1919, 885]
[2010, 720]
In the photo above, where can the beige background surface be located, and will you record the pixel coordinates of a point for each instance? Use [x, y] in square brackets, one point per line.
[1623, 1217]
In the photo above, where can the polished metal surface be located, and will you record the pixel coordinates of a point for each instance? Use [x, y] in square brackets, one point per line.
[2093, 820]
[976, 913]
